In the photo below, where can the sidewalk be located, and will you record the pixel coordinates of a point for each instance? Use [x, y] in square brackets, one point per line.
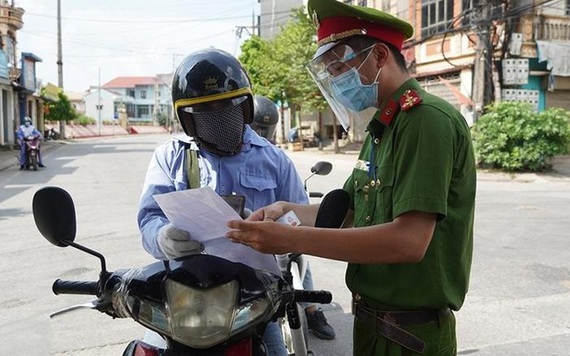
[560, 171]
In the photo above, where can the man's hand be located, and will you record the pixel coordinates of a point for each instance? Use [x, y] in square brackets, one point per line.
[268, 213]
[263, 236]
[175, 243]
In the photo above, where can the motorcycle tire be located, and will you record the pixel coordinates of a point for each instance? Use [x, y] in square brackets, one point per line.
[286, 331]
[34, 160]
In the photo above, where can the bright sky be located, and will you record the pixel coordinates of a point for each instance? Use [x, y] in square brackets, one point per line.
[127, 37]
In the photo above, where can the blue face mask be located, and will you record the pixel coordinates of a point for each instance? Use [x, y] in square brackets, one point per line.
[348, 89]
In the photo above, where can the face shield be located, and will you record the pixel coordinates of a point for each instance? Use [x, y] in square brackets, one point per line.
[336, 73]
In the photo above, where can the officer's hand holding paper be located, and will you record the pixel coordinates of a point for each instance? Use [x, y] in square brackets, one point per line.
[204, 214]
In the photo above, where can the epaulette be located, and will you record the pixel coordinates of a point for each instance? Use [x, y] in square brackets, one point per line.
[409, 99]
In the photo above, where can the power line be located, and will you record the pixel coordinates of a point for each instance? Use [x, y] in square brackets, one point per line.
[124, 21]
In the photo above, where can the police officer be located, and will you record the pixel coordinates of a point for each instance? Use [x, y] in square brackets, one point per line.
[412, 190]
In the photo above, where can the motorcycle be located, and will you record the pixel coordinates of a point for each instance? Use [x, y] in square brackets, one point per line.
[32, 144]
[293, 266]
[51, 134]
[200, 304]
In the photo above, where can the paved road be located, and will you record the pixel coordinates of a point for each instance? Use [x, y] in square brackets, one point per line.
[518, 303]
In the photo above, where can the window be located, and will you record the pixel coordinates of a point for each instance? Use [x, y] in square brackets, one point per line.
[143, 111]
[143, 94]
[436, 16]
[131, 93]
[362, 3]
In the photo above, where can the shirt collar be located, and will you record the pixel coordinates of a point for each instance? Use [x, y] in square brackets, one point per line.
[386, 115]
[250, 138]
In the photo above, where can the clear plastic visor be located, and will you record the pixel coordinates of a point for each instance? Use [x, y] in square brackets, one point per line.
[332, 63]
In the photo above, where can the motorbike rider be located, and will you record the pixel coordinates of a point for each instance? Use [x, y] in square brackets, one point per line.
[213, 101]
[24, 131]
[265, 119]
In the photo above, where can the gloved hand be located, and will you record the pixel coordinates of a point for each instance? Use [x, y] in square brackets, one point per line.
[175, 243]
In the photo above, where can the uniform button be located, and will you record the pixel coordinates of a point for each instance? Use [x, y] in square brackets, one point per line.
[388, 112]
[368, 218]
[357, 297]
[378, 182]
[376, 141]
[372, 183]
[356, 184]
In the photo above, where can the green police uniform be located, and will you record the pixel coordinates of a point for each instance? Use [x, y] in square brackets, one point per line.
[418, 156]
[420, 151]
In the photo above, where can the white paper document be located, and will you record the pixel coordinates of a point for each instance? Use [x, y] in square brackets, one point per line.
[201, 212]
[204, 214]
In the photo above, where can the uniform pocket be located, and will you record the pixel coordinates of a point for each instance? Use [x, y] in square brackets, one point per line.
[259, 190]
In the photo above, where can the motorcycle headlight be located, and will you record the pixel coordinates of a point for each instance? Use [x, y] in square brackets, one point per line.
[201, 318]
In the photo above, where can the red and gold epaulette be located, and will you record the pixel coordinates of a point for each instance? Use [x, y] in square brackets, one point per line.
[409, 99]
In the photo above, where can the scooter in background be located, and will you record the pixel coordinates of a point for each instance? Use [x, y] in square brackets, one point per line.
[32, 144]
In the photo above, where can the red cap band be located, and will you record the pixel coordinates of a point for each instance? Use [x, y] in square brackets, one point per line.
[334, 27]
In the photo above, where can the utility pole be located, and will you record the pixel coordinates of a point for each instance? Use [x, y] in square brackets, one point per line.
[60, 65]
[99, 123]
[483, 66]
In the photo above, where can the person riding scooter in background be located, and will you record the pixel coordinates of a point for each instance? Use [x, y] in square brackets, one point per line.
[24, 131]
[213, 102]
[265, 119]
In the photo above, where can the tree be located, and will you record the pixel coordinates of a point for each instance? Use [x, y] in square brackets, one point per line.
[278, 67]
[59, 110]
[294, 49]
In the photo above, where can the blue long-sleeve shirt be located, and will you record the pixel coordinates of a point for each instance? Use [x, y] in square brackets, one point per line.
[261, 172]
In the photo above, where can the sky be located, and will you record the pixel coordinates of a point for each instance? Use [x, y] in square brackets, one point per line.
[104, 39]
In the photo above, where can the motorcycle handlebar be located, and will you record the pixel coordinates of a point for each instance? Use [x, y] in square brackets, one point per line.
[313, 296]
[74, 287]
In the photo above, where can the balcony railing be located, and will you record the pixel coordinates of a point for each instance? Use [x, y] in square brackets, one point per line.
[551, 28]
[12, 16]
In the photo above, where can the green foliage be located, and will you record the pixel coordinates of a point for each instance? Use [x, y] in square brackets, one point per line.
[85, 120]
[278, 67]
[60, 110]
[511, 136]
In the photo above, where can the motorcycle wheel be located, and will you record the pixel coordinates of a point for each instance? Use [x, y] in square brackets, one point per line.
[34, 160]
[286, 331]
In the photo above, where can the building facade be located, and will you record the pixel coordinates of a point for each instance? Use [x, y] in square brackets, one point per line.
[472, 52]
[146, 99]
[10, 23]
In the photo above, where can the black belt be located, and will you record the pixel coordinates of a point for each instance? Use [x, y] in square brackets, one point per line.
[388, 324]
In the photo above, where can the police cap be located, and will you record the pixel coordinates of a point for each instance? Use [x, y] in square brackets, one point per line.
[336, 21]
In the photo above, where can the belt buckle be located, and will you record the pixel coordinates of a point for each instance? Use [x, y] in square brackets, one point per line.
[387, 317]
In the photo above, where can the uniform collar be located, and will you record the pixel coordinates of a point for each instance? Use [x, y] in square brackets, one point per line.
[386, 115]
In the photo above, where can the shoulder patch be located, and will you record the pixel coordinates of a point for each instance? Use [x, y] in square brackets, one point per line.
[409, 99]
